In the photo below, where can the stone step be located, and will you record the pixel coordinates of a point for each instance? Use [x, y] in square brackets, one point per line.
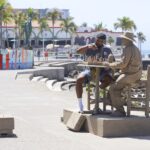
[50, 84]
[38, 78]
[72, 87]
[58, 86]
[27, 76]
[67, 84]
[70, 79]
[43, 80]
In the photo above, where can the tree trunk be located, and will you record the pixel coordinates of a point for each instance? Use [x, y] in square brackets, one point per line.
[53, 36]
[7, 36]
[1, 30]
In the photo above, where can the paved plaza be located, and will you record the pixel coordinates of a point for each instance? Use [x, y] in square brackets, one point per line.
[37, 112]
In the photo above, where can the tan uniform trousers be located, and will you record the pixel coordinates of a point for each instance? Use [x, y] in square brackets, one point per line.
[117, 87]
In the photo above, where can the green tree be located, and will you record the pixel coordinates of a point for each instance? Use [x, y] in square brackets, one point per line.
[43, 26]
[110, 40]
[141, 39]
[99, 27]
[19, 19]
[31, 15]
[84, 24]
[7, 17]
[125, 24]
[54, 15]
[4, 8]
[68, 26]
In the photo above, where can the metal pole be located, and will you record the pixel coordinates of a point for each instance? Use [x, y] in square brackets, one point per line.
[43, 44]
[97, 91]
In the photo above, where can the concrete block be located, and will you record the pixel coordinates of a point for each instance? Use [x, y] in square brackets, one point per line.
[107, 126]
[36, 79]
[75, 121]
[24, 76]
[68, 66]
[90, 124]
[123, 127]
[66, 115]
[49, 72]
[6, 125]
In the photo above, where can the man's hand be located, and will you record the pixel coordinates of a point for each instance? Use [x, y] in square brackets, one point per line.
[85, 62]
[84, 49]
[105, 63]
[92, 47]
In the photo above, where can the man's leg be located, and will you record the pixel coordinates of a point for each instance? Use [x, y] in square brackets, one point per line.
[106, 81]
[79, 87]
[116, 88]
[79, 90]
[115, 94]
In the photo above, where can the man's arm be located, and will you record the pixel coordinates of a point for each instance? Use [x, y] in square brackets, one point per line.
[127, 53]
[83, 49]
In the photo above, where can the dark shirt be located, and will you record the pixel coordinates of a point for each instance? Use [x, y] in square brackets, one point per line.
[100, 53]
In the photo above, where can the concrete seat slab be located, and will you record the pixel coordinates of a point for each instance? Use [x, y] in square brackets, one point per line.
[6, 125]
[107, 126]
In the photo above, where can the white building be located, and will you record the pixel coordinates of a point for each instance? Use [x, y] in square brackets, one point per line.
[84, 35]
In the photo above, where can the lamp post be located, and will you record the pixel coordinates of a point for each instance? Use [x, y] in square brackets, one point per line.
[43, 42]
[14, 41]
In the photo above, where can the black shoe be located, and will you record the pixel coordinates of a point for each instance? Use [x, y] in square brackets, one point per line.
[81, 112]
[118, 114]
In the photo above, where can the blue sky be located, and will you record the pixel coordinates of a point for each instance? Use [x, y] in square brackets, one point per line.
[96, 11]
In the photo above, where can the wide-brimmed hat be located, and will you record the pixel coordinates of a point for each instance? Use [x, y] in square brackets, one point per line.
[128, 36]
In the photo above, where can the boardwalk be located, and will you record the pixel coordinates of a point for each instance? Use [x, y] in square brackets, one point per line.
[37, 113]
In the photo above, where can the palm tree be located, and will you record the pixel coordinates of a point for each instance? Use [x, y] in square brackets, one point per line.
[4, 7]
[7, 17]
[125, 24]
[20, 19]
[68, 26]
[54, 15]
[31, 15]
[43, 26]
[99, 27]
[84, 24]
[141, 39]
[110, 40]
[16, 21]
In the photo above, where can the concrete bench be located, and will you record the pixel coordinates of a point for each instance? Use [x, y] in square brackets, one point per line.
[6, 126]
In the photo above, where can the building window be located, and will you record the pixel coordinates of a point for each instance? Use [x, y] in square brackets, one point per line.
[118, 41]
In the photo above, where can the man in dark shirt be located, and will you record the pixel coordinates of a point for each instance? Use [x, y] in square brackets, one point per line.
[99, 52]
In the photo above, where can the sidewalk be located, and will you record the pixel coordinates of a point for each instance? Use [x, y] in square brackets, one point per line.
[37, 113]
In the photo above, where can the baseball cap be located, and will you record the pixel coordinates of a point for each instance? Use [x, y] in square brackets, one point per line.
[101, 36]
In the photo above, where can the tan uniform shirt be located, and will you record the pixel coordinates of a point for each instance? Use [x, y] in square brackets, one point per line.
[131, 61]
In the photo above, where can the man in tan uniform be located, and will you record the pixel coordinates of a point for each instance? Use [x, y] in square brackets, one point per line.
[131, 71]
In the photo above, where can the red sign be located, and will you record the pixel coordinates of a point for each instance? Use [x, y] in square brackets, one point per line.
[1, 61]
[7, 61]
